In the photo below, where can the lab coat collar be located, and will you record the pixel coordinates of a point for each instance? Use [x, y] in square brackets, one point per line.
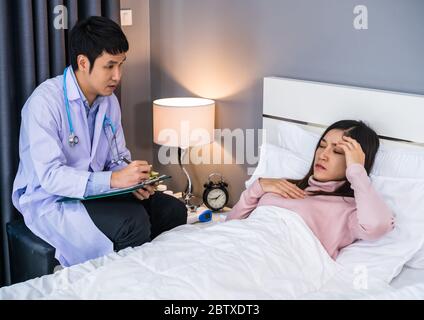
[71, 86]
[75, 92]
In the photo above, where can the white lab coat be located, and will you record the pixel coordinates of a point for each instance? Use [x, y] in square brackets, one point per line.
[50, 168]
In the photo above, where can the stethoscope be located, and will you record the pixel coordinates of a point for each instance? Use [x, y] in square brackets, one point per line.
[73, 139]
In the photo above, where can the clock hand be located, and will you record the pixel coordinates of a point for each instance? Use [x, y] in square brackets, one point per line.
[219, 197]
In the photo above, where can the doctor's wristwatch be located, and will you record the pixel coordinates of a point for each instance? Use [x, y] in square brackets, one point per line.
[215, 195]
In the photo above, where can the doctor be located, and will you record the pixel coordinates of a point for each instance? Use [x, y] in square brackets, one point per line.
[72, 145]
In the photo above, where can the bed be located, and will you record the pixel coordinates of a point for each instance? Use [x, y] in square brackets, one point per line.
[272, 254]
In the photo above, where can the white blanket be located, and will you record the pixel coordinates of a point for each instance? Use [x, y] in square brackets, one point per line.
[270, 255]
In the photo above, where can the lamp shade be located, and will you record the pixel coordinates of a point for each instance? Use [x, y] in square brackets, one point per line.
[183, 122]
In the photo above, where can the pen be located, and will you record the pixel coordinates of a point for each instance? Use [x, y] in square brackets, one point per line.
[126, 160]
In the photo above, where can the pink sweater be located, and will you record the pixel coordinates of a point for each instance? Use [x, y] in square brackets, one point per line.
[336, 221]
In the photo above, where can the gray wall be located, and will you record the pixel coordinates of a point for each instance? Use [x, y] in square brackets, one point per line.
[135, 87]
[221, 49]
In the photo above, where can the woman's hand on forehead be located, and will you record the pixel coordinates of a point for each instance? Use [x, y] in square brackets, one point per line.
[352, 150]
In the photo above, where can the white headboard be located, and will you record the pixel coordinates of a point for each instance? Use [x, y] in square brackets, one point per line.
[391, 114]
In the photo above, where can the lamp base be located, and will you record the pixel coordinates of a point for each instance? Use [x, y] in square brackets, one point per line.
[192, 202]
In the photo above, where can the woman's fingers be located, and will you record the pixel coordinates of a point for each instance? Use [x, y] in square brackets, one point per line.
[294, 189]
[282, 187]
[278, 189]
[346, 143]
[344, 148]
[285, 195]
[352, 154]
[347, 148]
[295, 194]
[353, 142]
[290, 190]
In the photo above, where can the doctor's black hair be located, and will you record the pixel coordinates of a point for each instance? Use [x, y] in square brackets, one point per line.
[365, 136]
[93, 36]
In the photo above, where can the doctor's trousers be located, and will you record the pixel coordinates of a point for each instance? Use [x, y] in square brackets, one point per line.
[129, 222]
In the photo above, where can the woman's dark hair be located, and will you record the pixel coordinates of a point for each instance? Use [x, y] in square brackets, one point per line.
[94, 35]
[369, 142]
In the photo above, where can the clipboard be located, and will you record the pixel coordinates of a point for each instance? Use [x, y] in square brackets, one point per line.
[119, 191]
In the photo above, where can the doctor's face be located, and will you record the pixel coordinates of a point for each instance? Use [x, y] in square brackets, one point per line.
[106, 73]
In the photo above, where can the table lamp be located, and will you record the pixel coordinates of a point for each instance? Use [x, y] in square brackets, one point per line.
[183, 123]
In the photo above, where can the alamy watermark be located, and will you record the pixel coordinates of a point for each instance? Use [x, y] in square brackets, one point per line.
[236, 146]
[61, 19]
[360, 22]
[360, 281]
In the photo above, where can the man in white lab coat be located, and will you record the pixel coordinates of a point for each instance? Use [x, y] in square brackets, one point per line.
[72, 145]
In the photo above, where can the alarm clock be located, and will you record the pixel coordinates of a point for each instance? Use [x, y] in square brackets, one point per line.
[215, 195]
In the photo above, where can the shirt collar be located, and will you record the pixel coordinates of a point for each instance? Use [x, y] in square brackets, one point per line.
[75, 92]
[328, 186]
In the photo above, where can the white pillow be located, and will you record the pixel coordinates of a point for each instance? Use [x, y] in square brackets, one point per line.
[297, 139]
[276, 162]
[398, 162]
[385, 257]
[392, 160]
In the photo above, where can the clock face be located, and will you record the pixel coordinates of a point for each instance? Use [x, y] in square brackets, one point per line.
[217, 198]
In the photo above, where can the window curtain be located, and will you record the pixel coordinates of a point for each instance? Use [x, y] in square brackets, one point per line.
[32, 50]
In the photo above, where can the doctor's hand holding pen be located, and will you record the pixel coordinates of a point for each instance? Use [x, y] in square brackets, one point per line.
[137, 171]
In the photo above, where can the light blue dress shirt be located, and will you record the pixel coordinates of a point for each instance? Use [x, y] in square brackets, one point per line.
[98, 182]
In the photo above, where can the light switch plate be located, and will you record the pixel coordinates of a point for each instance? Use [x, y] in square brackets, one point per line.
[126, 17]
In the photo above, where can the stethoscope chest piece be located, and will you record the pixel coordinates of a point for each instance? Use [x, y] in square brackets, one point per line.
[73, 139]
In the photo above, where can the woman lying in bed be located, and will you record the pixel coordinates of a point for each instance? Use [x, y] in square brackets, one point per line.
[335, 198]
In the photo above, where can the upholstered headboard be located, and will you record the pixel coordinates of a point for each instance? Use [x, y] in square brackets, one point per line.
[392, 115]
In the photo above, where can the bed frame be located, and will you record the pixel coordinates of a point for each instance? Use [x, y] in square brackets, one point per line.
[315, 105]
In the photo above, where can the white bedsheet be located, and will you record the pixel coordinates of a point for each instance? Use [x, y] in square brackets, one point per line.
[408, 277]
[270, 255]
